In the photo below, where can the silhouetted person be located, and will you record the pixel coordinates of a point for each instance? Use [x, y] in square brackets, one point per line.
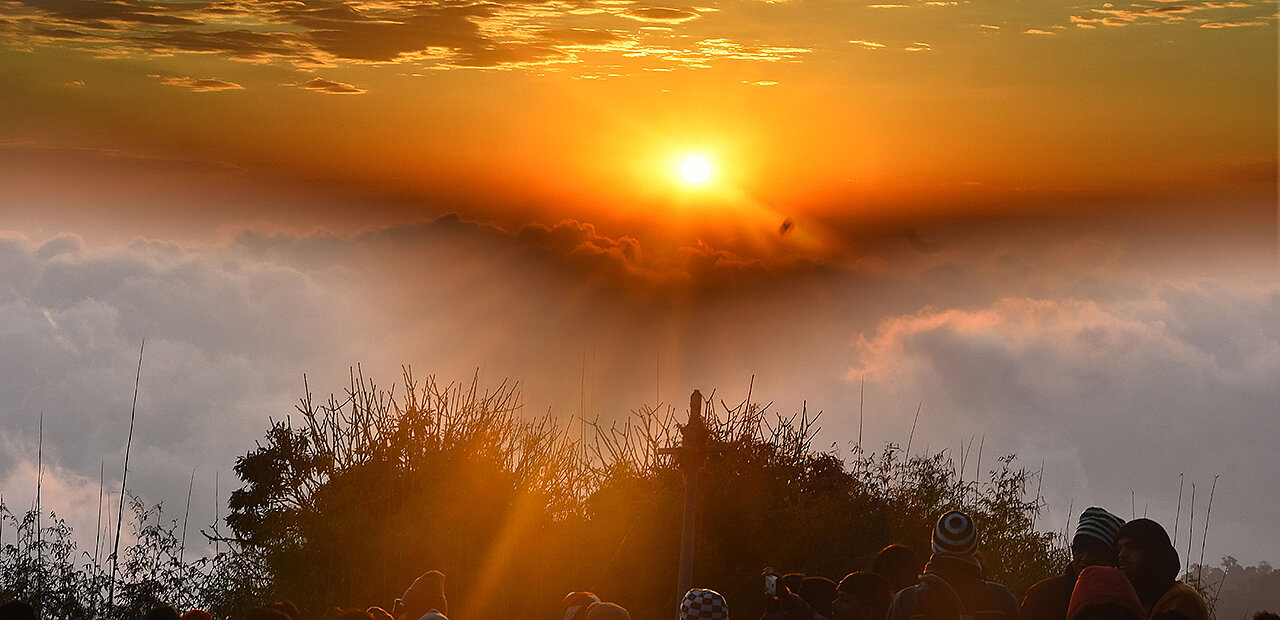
[607, 611]
[197, 614]
[162, 612]
[425, 594]
[1094, 544]
[818, 592]
[786, 602]
[1104, 593]
[1150, 562]
[17, 610]
[952, 584]
[899, 566]
[575, 604]
[379, 613]
[861, 596]
[1265, 615]
[704, 604]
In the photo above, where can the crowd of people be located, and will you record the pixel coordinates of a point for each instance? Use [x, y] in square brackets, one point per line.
[1118, 571]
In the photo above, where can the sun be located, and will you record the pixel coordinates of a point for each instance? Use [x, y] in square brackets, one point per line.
[695, 170]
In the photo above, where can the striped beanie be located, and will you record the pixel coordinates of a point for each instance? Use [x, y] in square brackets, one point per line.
[955, 535]
[703, 604]
[1099, 525]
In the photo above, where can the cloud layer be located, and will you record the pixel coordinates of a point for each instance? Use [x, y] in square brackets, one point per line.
[1060, 349]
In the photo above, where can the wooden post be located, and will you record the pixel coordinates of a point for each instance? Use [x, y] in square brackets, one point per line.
[692, 454]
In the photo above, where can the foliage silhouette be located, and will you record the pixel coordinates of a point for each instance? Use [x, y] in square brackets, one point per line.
[365, 492]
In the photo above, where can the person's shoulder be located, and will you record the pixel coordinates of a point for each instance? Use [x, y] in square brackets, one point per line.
[1051, 585]
[1001, 599]
[1183, 599]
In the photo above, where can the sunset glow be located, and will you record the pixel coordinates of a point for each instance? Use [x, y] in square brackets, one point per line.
[695, 170]
[1051, 226]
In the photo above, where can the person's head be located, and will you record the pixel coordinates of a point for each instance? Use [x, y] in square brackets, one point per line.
[575, 605]
[1104, 593]
[861, 596]
[703, 604]
[899, 566]
[162, 612]
[1265, 615]
[379, 613]
[793, 582]
[197, 614]
[266, 613]
[955, 541]
[1094, 543]
[1146, 557]
[425, 594]
[1143, 546]
[607, 611]
[818, 592]
[350, 614]
[17, 610]
[285, 607]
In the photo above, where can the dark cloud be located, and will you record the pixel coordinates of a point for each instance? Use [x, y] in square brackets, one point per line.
[241, 44]
[111, 15]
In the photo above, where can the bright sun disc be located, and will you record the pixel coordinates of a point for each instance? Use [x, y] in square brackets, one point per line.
[695, 170]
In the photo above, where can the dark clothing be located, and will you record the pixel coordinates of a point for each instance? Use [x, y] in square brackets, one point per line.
[1048, 599]
[789, 606]
[953, 589]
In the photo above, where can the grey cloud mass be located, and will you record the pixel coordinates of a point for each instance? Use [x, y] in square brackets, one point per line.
[1085, 369]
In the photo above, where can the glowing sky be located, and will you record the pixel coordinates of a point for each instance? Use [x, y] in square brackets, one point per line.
[1052, 222]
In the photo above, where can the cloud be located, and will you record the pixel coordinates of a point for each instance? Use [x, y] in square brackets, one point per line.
[328, 87]
[1167, 11]
[198, 85]
[868, 44]
[508, 34]
[659, 14]
[1117, 395]
[1037, 31]
[1243, 24]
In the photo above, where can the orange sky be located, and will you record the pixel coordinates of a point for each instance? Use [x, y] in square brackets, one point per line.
[534, 112]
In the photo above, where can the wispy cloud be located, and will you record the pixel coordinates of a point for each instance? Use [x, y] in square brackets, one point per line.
[1243, 24]
[328, 87]
[198, 85]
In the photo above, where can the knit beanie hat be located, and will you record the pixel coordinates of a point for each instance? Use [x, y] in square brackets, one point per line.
[607, 611]
[1098, 524]
[575, 605]
[426, 593]
[703, 604]
[197, 614]
[1101, 585]
[955, 535]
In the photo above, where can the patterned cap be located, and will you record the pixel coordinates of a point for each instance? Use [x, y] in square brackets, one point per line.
[955, 535]
[1099, 525]
[703, 604]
